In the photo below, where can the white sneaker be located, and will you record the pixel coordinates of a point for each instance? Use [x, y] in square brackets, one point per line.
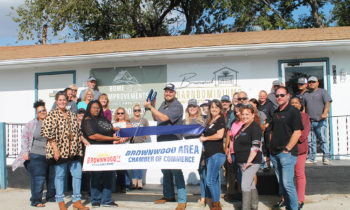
[308, 161]
[326, 162]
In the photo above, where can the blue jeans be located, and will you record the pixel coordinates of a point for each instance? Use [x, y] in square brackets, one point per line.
[318, 130]
[39, 173]
[168, 185]
[96, 178]
[137, 174]
[202, 182]
[61, 172]
[284, 163]
[214, 164]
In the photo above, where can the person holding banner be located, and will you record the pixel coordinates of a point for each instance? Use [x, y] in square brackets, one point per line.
[137, 175]
[64, 149]
[170, 112]
[99, 130]
[122, 120]
[212, 139]
[247, 147]
[194, 116]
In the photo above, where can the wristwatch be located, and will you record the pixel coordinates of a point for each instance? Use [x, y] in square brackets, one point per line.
[285, 149]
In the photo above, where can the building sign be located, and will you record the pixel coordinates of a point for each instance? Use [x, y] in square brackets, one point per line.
[126, 86]
[220, 82]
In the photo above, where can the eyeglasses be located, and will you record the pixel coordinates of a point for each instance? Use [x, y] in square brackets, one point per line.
[120, 113]
[137, 110]
[242, 99]
[41, 110]
[311, 82]
[280, 95]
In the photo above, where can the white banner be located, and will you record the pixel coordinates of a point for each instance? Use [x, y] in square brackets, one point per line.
[183, 154]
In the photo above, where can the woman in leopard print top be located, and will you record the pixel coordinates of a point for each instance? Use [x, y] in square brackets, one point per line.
[64, 149]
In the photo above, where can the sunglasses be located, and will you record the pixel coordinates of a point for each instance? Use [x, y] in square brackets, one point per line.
[311, 82]
[280, 95]
[242, 99]
[120, 113]
[41, 110]
[137, 110]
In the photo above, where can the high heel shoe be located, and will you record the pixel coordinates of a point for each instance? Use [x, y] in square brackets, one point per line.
[300, 205]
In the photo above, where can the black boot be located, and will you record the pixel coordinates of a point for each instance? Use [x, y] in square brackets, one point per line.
[246, 200]
[255, 199]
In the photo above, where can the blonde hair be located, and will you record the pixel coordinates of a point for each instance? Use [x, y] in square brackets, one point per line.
[136, 106]
[199, 118]
[73, 86]
[105, 96]
[86, 92]
[126, 116]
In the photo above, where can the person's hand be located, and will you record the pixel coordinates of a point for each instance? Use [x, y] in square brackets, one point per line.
[116, 129]
[229, 159]
[115, 137]
[202, 138]
[26, 157]
[154, 102]
[57, 155]
[86, 143]
[246, 165]
[147, 104]
[324, 116]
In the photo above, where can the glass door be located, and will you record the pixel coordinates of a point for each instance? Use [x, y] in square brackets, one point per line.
[291, 71]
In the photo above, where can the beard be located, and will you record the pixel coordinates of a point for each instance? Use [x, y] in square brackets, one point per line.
[170, 100]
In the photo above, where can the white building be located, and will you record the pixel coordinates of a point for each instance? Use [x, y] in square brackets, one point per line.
[201, 66]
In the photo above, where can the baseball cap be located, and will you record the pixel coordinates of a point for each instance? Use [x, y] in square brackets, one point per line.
[276, 83]
[206, 102]
[192, 102]
[302, 80]
[91, 78]
[170, 86]
[225, 98]
[312, 79]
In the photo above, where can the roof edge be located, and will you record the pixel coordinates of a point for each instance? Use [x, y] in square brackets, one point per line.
[176, 51]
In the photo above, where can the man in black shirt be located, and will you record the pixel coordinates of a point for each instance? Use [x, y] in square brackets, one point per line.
[170, 113]
[285, 132]
[266, 106]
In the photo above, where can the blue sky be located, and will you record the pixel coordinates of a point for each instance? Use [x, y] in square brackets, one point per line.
[8, 31]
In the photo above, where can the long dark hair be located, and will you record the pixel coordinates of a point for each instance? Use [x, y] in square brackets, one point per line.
[88, 110]
[218, 104]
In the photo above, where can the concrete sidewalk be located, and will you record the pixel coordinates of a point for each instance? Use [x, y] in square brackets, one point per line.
[18, 199]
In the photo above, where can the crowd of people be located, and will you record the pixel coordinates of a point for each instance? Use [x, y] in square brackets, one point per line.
[241, 136]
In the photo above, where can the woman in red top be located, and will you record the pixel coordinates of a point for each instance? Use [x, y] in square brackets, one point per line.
[303, 149]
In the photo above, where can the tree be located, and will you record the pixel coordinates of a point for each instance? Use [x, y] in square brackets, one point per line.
[36, 17]
[341, 12]
[110, 19]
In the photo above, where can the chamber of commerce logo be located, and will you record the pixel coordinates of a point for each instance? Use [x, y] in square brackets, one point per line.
[224, 76]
